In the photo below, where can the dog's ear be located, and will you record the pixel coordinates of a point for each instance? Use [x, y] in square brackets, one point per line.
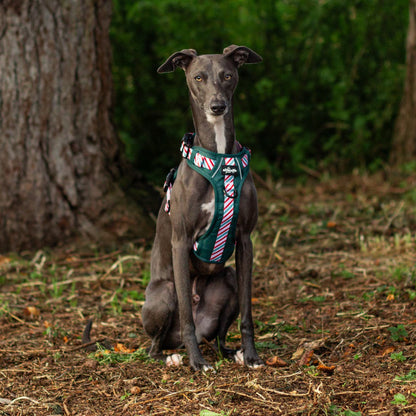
[241, 55]
[179, 59]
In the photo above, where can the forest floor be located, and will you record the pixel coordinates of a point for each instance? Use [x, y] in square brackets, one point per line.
[334, 298]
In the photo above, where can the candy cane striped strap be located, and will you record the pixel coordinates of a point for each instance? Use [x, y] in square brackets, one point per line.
[197, 158]
[228, 213]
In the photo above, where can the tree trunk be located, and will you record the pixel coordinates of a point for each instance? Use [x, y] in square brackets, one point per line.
[404, 140]
[59, 158]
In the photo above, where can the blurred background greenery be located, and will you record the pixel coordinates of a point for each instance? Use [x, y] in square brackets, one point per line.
[325, 96]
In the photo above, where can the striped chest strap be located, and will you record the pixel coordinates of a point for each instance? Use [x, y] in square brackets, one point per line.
[228, 210]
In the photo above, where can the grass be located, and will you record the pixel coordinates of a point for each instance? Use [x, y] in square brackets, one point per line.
[410, 376]
[108, 357]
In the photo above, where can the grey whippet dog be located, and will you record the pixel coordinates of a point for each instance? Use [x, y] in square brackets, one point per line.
[188, 300]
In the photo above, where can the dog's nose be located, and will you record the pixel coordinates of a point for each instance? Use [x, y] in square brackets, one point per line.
[218, 107]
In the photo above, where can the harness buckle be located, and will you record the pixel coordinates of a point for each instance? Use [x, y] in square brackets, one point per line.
[188, 139]
[170, 178]
[187, 143]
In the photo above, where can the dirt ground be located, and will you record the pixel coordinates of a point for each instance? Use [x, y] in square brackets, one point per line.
[333, 302]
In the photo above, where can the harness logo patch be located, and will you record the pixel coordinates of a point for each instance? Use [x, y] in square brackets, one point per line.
[229, 170]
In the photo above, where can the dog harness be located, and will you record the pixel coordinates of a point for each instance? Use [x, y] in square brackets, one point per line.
[226, 173]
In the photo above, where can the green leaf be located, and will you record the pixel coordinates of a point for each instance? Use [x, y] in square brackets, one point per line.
[400, 398]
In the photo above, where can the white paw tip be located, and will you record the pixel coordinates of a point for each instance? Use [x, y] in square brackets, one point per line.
[256, 366]
[174, 360]
[239, 357]
[206, 368]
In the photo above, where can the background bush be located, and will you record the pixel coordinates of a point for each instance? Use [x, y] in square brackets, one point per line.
[325, 96]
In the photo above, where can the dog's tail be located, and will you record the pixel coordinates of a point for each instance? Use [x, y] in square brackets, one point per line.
[93, 345]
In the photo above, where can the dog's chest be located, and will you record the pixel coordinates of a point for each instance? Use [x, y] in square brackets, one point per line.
[206, 215]
[208, 210]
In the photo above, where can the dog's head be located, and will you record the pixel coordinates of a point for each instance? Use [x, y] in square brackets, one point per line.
[211, 79]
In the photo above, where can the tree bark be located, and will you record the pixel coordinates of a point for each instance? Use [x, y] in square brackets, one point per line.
[404, 140]
[59, 153]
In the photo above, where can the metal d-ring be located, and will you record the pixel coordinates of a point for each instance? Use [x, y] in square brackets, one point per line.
[230, 196]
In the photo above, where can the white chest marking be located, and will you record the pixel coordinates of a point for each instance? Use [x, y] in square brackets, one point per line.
[208, 208]
[219, 130]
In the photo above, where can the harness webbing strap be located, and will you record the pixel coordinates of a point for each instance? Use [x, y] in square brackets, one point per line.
[228, 213]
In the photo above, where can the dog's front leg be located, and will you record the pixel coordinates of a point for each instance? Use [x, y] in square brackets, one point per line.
[180, 251]
[244, 264]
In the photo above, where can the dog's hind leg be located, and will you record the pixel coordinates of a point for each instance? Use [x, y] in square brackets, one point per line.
[217, 308]
[158, 315]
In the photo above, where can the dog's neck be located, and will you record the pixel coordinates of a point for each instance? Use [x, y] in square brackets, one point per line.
[214, 133]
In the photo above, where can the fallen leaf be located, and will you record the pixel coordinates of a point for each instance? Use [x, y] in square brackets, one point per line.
[331, 224]
[103, 352]
[390, 297]
[123, 349]
[4, 260]
[298, 353]
[348, 351]
[314, 345]
[306, 358]
[90, 363]
[66, 339]
[387, 351]
[135, 390]
[71, 259]
[31, 312]
[276, 362]
[47, 324]
[326, 368]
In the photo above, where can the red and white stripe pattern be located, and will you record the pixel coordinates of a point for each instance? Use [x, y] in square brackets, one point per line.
[186, 151]
[227, 213]
[244, 160]
[203, 161]
[199, 160]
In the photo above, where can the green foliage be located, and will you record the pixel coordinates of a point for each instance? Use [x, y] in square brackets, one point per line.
[398, 333]
[325, 96]
[410, 376]
[351, 413]
[399, 398]
[398, 356]
[106, 357]
[335, 410]
[205, 412]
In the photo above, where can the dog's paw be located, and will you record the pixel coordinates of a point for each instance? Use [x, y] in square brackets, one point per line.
[254, 362]
[239, 357]
[201, 365]
[255, 365]
[251, 363]
[174, 360]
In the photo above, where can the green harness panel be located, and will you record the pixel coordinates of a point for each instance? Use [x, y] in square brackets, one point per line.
[226, 173]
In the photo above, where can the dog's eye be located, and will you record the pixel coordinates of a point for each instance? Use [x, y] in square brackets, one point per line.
[198, 78]
[227, 77]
